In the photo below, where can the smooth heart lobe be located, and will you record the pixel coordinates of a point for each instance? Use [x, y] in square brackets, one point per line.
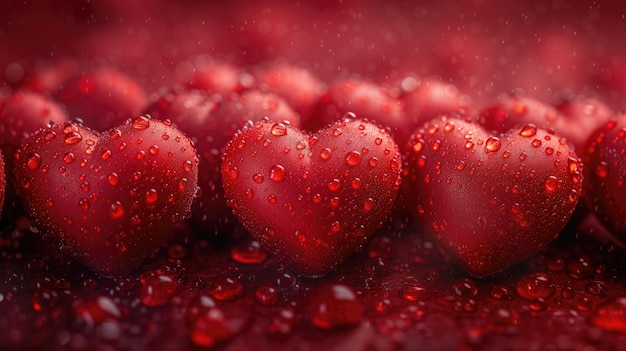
[312, 200]
[492, 201]
[108, 199]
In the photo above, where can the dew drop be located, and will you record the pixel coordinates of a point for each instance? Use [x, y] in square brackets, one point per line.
[551, 184]
[106, 154]
[335, 306]
[528, 130]
[141, 123]
[153, 150]
[68, 157]
[602, 169]
[368, 204]
[258, 178]
[279, 129]
[493, 144]
[334, 185]
[116, 211]
[266, 295]
[248, 252]
[151, 196]
[373, 162]
[158, 290]
[72, 138]
[535, 286]
[353, 158]
[33, 161]
[277, 173]
[113, 179]
[325, 154]
[187, 166]
[226, 287]
[414, 293]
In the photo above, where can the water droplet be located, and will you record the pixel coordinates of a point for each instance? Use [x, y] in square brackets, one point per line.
[277, 173]
[33, 161]
[602, 169]
[337, 132]
[414, 293]
[84, 204]
[106, 154]
[279, 129]
[49, 135]
[335, 306]
[115, 133]
[493, 144]
[528, 130]
[158, 290]
[187, 166]
[153, 150]
[113, 179]
[551, 184]
[465, 288]
[378, 141]
[334, 185]
[248, 252]
[373, 162]
[325, 154]
[151, 196]
[368, 204]
[581, 268]
[258, 178]
[266, 295]
[597, 288]
[116, 211]
[95, 311]
[226, 287]
[535, 286]
[141, 123]
[353, 158]
[68, 157]
[72, 138]
[536, 143]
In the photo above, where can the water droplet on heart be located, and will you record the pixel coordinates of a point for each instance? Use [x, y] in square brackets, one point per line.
[493, 144]
[277, 173]
[141, 123]
[465, 288]
[233, 173]
[249, 194]
[551, 184]
[72, 138]
[353, 158]
[141, 155]
[279, 129]
[271, 199]
[187, 166]
[68, 157]
[258, 178]
[597, 288]
[378, 141]
[33, 161]
[337, 132]
[536, 143]
[97, 310]
[528, 130]
[549, 151]
[460, 166]
[182, 185]
[414, 293]
[106, 154]
[581, 268]
[535, 286]
[469, 144]
[153, 150]
[84, 186]
[49, 202]
[115, 133]
[116, 211]
[248, 252]
[151, 196]
[356, 183]
[334, 185]
[373, 161]
[49, 135]
[113, 179]
[611, 316]
[602, 169]
[501, 293]
[266, 295]
[335, 306]
[368, 204]
[325, 154]
[158, 290]
[226, 287]
[84, 204]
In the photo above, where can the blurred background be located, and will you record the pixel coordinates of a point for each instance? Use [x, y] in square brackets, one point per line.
[543, 48]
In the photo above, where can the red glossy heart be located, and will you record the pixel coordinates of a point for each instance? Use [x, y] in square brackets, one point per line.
[605, 172]
[108, 199]
[492, 201]
[312, 200]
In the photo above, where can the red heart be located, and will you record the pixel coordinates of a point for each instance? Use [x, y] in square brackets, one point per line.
[311, 200]
[492, 201]
[605, 172]
[109, 199]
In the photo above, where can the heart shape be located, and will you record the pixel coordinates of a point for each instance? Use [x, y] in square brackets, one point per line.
[491, 201]
[311, 200]
[109, 199]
